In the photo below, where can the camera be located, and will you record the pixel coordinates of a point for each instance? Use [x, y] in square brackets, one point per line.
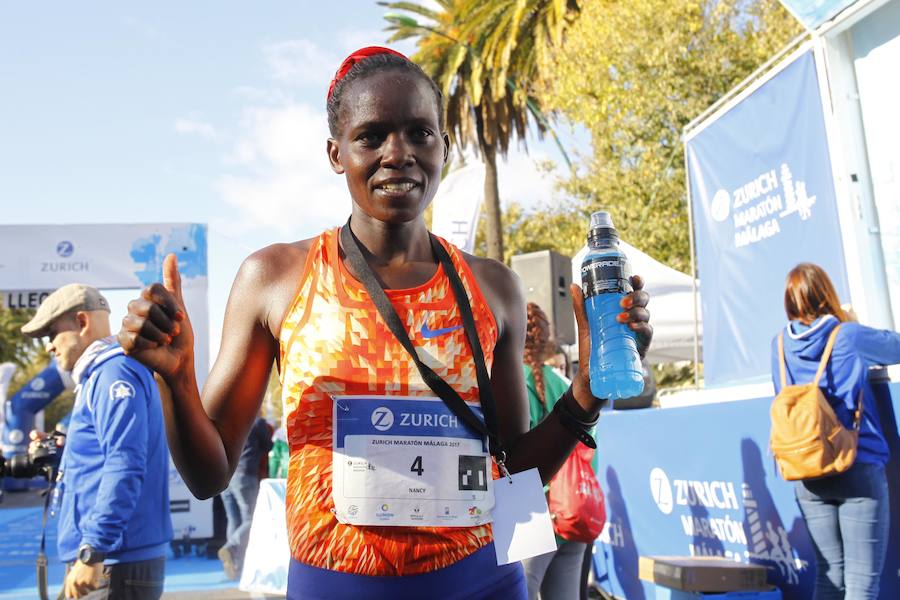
[42, 458]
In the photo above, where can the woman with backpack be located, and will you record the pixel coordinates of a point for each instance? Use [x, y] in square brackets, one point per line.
[846, 512]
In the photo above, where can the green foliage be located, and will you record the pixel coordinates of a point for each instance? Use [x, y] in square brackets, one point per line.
[559, 227]
[486, 57]
[634, 73]
[29, 356]
[675, 375]
[59, 408]
[15, 347]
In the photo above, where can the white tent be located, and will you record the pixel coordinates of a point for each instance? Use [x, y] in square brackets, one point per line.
[671, 304]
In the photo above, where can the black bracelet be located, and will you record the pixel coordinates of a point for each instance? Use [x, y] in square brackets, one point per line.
[576, 422]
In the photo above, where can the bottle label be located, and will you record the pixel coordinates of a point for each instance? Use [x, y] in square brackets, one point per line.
[606, 275]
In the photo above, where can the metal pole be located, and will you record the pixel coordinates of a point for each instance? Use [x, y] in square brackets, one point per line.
[690, 207]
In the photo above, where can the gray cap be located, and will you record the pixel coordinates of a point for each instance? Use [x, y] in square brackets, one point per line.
[68, 298]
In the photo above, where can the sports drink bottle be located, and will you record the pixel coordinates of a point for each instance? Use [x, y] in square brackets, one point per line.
[615, 366]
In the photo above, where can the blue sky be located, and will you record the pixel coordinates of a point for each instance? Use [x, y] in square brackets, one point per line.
[208, 112]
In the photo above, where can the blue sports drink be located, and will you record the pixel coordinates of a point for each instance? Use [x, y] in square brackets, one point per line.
[615, 367]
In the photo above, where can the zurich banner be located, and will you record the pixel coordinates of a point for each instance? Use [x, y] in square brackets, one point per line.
[763, 200]
[699, 481]
[37, 259]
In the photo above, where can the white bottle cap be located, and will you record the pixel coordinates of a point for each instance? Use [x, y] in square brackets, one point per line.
[603, 219]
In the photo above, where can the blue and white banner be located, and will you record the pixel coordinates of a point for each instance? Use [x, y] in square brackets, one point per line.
[37, 259]
[17, 414]
[45, 257]
[812, 13]
[763, 200]
[699, 481]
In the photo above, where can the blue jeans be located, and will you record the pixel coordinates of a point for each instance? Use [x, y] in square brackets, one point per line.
[239, 500]
[848, 519]
[556, 575]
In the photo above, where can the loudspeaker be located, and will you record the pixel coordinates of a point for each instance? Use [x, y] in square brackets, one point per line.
[546, 277]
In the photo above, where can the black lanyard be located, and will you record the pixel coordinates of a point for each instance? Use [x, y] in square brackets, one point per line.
[488, 427]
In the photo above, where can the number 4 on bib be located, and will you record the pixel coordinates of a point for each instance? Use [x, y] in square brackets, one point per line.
[417, 466]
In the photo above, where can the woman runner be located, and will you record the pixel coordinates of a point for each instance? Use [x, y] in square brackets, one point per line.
[305, 306]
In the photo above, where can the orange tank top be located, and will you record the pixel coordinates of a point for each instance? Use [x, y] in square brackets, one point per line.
[334, 342]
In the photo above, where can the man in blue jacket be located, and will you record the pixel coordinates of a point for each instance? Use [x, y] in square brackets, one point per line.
[114, 524]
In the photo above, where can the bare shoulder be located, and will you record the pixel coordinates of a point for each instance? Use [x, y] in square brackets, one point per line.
[501, 288]
[490, 272]
[270, 277]
[273, 262]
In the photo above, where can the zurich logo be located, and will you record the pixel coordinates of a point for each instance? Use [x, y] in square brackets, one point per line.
[65, 248]
[382, 418]
[38, 383]
[661, 490]
[721, 203]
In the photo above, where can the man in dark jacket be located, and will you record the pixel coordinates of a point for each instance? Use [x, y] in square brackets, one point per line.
[240, 497]
[114, 525]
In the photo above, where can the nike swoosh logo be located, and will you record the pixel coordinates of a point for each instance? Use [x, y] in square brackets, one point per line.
[429, 333]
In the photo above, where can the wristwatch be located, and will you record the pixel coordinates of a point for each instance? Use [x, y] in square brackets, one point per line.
[89, 556]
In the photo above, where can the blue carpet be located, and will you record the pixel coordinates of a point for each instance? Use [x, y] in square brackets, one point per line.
[20, 537]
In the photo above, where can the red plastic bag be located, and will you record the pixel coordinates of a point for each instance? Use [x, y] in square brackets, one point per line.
[576, 499]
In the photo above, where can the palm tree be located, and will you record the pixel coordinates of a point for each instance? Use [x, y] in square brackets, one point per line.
[487, 57]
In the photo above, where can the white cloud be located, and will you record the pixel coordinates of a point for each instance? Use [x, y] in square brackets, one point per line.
[300, 62]
[521, 181]
[303, 62]
[195, 127]
[285, 181]
[354, 39]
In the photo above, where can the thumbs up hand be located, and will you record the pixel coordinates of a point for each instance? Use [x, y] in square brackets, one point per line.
[156, 331]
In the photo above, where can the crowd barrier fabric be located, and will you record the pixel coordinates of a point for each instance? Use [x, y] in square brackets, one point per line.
[763, 200]
[701, 481]
[268, 555]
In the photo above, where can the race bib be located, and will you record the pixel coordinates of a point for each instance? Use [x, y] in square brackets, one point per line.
[408, 461]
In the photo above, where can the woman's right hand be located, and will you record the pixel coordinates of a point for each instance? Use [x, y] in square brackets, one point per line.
[156, 331]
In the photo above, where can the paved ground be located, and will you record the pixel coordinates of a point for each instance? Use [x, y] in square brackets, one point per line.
[224, 594]
[21, 499]
[188, 578]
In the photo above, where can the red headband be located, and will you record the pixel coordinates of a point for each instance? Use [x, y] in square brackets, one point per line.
[358, 56]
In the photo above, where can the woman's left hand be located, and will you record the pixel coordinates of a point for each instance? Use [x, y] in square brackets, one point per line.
[636, 314]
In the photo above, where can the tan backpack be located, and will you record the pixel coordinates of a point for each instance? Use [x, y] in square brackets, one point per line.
[807, 438]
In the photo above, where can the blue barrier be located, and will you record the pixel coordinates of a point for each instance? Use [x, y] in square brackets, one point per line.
[700, 481]
[18, 417]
